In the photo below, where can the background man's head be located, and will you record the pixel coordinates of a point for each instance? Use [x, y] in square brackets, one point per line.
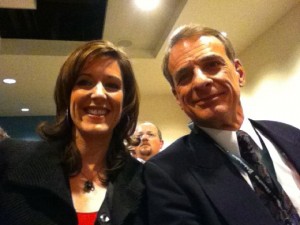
[151, 140]
[3, 134]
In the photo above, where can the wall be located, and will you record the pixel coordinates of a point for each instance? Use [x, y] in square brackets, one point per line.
[23, 127]
[272, 64]
[163, 111]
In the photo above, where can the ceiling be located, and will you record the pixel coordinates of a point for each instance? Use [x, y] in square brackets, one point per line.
[37, 36]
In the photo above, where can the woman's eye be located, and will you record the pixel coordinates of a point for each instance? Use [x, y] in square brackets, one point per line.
[112, 87]
[84, 82]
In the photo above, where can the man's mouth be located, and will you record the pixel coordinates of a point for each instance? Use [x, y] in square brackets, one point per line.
[210, 97]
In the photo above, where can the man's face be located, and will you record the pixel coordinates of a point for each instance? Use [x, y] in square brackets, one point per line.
[206, 82]
[150, 142]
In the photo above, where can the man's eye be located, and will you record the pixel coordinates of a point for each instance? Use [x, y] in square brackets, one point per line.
[184, 77]
[212, 64]
[138, 136]
[212, 67]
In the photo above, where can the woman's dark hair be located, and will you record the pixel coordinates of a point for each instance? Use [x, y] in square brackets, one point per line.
[190, 30]
[61, 129]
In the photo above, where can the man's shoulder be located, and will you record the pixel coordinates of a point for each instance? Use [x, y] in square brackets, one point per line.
[274, 124]
[173, 153]
[276, 127]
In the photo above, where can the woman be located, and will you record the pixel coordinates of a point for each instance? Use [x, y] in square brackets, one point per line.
[82, 173]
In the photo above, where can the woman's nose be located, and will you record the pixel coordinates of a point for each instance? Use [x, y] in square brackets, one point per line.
[98, 90]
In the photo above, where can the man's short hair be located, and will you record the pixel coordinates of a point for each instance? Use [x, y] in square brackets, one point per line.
[190, 30]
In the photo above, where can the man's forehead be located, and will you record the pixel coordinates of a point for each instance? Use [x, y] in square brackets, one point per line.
[146, 127]
[195, 45]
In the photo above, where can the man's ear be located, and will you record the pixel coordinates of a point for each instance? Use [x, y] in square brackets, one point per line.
[176, 96]
[161, 144]
[240, 71]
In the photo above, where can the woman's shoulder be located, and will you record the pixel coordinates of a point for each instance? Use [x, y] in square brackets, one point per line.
[20, 147]
[16, 150]
[133, 166]
[131, 171]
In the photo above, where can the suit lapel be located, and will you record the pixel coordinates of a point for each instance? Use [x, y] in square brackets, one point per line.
[128, 191]
[285, 137]
[224, 185]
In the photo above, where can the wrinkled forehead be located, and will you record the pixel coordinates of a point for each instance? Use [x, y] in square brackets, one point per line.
[187, 49]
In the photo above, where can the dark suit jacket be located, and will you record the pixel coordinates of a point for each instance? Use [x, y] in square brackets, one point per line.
[35, 190]
[192, 182]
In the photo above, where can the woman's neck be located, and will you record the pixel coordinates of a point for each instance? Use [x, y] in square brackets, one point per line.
[93, 150]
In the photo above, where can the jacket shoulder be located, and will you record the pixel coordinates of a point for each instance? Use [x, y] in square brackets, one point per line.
[19, 153]
[177, 153]
[14, 150]
[275, 128]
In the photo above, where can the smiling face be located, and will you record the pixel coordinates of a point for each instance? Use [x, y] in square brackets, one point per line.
[97, 97]
[206, 82]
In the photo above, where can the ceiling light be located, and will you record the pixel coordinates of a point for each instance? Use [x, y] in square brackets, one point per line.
[25, 110]
[9, 81]
[147, 5]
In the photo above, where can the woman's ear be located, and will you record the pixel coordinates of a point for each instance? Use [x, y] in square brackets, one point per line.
[240, 71]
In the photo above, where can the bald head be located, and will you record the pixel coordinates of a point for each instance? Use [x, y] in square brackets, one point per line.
[150, 140]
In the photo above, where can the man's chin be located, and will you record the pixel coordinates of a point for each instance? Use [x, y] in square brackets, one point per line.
[145, 152]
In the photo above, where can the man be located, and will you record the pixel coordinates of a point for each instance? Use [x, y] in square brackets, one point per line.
[202, 178]
[150, 143]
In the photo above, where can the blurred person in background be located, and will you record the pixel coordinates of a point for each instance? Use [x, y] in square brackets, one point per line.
[3, 134]
[150, 141]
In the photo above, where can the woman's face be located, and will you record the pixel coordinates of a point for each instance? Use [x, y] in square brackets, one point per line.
[97, 97]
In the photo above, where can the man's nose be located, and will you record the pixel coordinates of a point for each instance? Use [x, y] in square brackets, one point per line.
[144, 137]
[201, 79]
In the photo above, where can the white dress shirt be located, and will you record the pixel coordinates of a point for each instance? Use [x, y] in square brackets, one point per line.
[286, 174]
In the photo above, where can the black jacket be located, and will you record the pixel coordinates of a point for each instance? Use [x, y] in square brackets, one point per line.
[192, 182]
[35, 190]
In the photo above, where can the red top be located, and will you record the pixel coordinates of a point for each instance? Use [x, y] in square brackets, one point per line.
[86, 218]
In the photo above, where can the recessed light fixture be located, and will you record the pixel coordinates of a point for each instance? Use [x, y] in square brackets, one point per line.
[9, 81]
[25, 110]
[147, 5]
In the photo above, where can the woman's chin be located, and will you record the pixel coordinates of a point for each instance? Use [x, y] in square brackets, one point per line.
[96, 129]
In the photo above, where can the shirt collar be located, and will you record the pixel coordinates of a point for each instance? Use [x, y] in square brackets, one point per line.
[226, 138]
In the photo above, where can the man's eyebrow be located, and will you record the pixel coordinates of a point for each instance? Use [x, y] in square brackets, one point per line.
[209, 58]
